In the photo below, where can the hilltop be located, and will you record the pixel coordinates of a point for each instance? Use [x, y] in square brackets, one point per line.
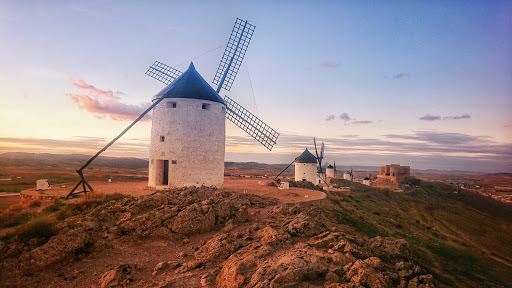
[202, 237]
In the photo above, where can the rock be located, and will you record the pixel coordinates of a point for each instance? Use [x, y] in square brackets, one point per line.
[291, 268]
[422, 281]
[240, 266]
[389, 249]
[120, 276]
[271, 237]
[58, 248]
[219, 247]
[193, 220]
[189, 266]
[302, 225]
[365, 272]
[332, 277]
[324, 240]
[208, 280]
[160, 266]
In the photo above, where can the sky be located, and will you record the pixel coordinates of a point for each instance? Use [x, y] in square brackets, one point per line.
[420, 83]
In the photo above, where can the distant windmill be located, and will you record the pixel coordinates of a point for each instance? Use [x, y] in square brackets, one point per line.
[308, 167]
[320, 171]
[188, 132]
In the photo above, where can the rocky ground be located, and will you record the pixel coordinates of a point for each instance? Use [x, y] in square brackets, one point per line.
[202, 237]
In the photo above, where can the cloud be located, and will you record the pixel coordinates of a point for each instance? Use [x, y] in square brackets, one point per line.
[330, 64]
[330, 117]
[400, 75]
[105, 103]
[465, 116]
[81, 84]
[429, 117]
[344, 116]
[362, 122]
[421, 149]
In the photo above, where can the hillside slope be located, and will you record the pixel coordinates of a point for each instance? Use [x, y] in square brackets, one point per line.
[199, 237]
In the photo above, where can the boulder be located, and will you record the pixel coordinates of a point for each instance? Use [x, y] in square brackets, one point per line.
[193, 220]
[303, 226]
[118, 277]
[219, 247]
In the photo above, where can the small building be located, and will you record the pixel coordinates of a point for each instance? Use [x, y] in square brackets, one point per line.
[329, 171]
[284, 185]
[394, 172]
[43, 184]
[306, 167]
[366, 181]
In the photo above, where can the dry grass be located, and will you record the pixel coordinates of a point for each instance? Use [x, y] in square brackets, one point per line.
[39, 228]
[18, 214]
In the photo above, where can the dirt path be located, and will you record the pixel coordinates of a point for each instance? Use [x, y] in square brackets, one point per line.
[257, 186]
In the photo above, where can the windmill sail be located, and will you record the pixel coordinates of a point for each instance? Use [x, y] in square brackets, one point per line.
[251, 124]
[163, 73]
[234, 54]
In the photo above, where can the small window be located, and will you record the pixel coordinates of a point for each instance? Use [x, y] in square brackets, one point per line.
[173, 161]
[162, 138]
[206, 106]
[171, 104]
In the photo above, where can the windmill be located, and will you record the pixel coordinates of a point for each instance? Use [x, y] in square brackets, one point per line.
[177, 82]
[320, 171]
[224, 77]
[319, 157]
[308, 167]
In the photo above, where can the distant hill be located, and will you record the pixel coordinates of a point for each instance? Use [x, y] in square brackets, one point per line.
[39, 159]
[501, 174]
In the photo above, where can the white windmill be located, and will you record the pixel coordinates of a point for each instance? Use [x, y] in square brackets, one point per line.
[308, 167]
[188, 129]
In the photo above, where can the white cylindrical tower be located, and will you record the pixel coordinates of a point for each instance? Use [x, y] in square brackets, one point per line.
[329, 171]
[187, 134]
[305, 167]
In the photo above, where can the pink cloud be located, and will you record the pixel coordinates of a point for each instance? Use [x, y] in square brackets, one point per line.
[105, 103]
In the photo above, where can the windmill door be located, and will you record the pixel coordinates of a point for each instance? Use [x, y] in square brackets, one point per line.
[166, 173]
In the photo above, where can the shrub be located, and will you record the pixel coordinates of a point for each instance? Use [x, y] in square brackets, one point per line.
[38, 228]
[64, 213]
[115, 196]
[34, 203]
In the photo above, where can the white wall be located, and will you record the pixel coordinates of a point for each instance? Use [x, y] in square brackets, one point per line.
[194, 138]
[306, 171]
[329, 172]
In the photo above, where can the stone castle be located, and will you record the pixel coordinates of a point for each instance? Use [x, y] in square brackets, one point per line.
[395, 172]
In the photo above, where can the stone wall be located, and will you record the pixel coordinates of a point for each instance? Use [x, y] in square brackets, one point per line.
[394, 172]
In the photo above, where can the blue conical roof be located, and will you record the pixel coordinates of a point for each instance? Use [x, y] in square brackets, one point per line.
[306, 157]
[190, 85]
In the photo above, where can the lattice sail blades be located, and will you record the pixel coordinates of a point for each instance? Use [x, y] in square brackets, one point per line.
[256, 128]
[163, 73]
[234, 54]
